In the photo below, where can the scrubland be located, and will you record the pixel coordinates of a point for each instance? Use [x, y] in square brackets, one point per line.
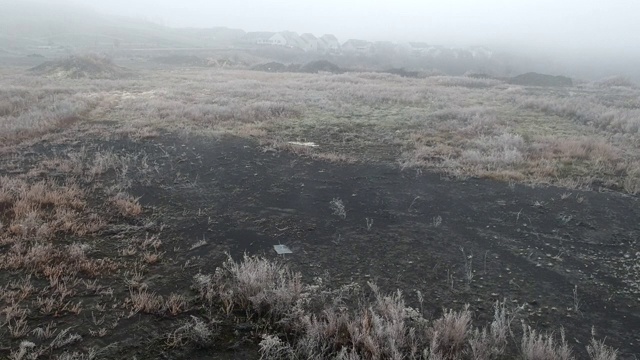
[583, 136]
[77, 247]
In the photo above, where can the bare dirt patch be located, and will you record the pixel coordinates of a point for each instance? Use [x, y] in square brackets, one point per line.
[457, 242]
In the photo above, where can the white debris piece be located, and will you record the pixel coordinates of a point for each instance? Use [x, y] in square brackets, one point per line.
[282, 249]
[309, 144]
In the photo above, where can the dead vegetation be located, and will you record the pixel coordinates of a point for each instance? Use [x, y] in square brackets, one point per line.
[383, 327]
[580, 136]
[56, 210]
[52, 264]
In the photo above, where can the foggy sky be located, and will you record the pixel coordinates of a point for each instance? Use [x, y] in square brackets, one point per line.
[554, 25]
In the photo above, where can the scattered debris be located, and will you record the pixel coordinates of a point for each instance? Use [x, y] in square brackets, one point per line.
[308, 144]
[282, 249]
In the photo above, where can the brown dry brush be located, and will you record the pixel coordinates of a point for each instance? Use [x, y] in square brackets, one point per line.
[44, 208]
[381, 328]
[34, 217]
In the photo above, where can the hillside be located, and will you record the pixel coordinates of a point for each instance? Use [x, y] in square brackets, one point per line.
[33, 25]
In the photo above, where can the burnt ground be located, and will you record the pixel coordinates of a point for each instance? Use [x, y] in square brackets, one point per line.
[529, 245]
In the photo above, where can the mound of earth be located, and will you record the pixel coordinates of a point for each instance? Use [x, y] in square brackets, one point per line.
[321, 66]
[478, 76]
[615, 81]
[402, 72]
[271, 67]
[225, 63]
[82, 67]
[535, 79]
[181, 60]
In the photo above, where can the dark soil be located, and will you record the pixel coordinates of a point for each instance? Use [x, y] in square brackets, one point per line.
[529, 245]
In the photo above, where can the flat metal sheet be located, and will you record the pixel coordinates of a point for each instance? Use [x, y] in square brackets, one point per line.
[282, 249]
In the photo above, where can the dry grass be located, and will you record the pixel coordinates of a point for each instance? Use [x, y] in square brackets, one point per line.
[126, 205]
[44, 209]
[255, 285]
[197, 332]
[537, 346]
[382, 328]
[144, 301]
[459, 125]
[50, 246]
[597, 350]
[30, 111]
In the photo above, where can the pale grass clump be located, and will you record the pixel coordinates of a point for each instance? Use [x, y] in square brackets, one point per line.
[486, 155]
[25, 349]
[337, 208]
[144, 301]
[196, 332]
[491, 342]
[495, 151]
[176, 304]
[272, 347]
[449, 334]
[141, 300]
[256, 285]
[13, 317]
[631, 183]
[597, 350]
[538, 346]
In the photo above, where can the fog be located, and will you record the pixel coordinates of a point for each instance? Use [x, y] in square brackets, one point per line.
[566, 26]
[591, 33]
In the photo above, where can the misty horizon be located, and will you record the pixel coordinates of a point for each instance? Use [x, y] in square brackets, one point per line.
[578, 27]
[584, 39]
